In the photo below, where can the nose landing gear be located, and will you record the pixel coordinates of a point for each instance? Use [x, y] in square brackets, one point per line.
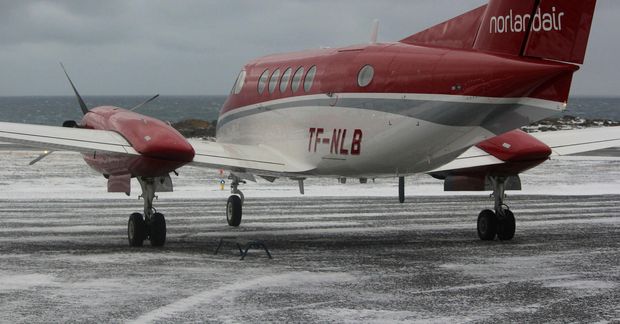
[234, 206]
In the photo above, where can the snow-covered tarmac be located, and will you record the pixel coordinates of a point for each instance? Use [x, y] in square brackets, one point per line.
[346, 253]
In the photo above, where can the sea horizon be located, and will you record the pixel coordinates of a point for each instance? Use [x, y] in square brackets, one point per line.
[55, 109]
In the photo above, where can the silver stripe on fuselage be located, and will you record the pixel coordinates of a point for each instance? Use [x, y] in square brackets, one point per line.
[494, 114]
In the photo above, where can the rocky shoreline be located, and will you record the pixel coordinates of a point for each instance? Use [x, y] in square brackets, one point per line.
[567, 122]
[193, 128]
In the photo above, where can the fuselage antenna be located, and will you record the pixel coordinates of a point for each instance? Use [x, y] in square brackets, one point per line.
[374, 32]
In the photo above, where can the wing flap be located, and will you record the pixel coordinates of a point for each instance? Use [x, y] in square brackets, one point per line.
[64, 138]
[244, 158]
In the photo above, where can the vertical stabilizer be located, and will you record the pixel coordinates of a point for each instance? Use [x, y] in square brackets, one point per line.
[550, 29]
[459, 32]
[561, 31]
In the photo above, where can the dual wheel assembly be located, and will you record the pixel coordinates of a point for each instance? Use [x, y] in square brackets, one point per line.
[501, 222]
[153, 229]
[491, 224]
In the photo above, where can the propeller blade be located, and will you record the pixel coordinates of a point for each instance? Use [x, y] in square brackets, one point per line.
[144, 103]
[40, 157]
[79, 98]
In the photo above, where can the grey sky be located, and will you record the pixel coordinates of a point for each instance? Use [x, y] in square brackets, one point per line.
[118, 47]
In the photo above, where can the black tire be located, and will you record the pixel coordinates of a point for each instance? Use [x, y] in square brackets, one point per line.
[234, 210]
[401, 189]
[157, 230]
[506, 226]
[136, 229]
[487, 225]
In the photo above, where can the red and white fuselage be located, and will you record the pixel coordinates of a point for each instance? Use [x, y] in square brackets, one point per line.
[422, 107]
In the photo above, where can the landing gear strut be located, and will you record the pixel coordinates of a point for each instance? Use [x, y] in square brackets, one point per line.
[234, 205]
[501, 222]
[152, 225]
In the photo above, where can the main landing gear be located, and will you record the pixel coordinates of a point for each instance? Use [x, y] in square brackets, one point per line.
[401, 189]
[152, 225]
[234, 205]
[501, 222]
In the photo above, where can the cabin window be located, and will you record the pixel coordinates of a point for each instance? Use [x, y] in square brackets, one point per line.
[309, 78]
[285, 77]
[297, 78]
[262, 81]
[239, 83]
[273, 82]
[365, 75]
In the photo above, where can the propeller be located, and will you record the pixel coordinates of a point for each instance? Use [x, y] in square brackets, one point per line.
[41, 157]
[68, 123]
[79, 98]
[145, 102]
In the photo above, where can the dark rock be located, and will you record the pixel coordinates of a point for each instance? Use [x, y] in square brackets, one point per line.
[196, 128]
[567, 122]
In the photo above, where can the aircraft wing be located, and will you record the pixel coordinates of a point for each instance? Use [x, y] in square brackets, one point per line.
[64, 138]
[243, 158]
[580, 140]
[240, 158]
[473, 157]
[562, 143]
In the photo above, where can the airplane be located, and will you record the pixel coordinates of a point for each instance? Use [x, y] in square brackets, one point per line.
[446, 101]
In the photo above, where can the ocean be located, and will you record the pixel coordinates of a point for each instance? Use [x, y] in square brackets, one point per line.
[56, 109]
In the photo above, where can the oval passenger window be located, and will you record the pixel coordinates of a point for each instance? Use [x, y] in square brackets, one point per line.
[297, 79]
[309, 78]
[365, 75]
[262, 81]
[273, 82]
[285, 77]
[240, 82]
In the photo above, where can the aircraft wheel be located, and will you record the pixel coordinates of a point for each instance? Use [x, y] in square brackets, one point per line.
[506, 226]
[136, 229]
[233, 210]
[157, 230]
[487, 225]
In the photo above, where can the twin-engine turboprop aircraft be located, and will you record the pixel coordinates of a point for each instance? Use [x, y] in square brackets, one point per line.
[445, 101]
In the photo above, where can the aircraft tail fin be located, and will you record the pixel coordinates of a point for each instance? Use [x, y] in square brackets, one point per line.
[459, 32]
[550, 29]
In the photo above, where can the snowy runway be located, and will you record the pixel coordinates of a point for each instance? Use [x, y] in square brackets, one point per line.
[64, 254]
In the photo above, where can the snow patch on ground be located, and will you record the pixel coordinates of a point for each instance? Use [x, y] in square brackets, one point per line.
[582, 284]
[229, 292]
[352, 315]
[9, 282]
